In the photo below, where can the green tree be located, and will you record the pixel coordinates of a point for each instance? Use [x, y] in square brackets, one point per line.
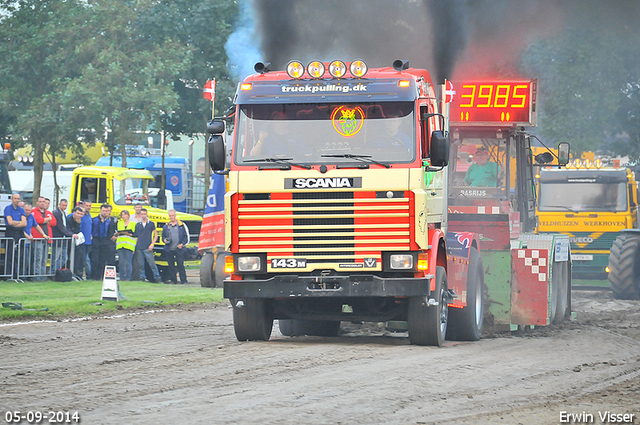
[74, 71]
[588, 78]
[203, 27]
[36, 60]
[127, 83]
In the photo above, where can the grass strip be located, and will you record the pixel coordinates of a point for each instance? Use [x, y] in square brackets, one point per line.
[76, 299]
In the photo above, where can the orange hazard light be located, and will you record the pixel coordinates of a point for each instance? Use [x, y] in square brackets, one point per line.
[423, 263]
[228, 264]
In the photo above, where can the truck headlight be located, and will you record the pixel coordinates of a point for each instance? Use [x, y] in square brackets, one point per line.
[401, 261]
[248, 264]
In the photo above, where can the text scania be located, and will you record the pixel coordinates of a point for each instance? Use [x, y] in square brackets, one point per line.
[323, 182]
[308, 88]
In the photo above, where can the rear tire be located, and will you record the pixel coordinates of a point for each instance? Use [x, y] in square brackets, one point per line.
[624, 270]
[220, 274]
[207, 278]
[287, 327]
[466, 324]
[428, 324]
[253, 321]
[563, 289]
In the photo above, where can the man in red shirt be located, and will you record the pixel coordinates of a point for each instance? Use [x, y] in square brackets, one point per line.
[46, 220]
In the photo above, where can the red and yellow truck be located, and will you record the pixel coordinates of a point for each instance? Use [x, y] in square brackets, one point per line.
[336, 206]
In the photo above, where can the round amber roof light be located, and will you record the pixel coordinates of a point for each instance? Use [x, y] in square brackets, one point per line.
[337, 69]
[358, 68]
[316, 69]
[295, 69]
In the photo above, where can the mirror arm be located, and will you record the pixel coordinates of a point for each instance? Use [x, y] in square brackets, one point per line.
[542, 143]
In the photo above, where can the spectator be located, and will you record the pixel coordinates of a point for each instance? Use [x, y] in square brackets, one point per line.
[103, 249]
[138, 213]
[60, 248]
[15, 219]
[175, 239]
[147, 237]
[26, 260]
[74, 224]
[483, 172]
[126, 244]
[87, 223]
[47, 203]
[40, 246]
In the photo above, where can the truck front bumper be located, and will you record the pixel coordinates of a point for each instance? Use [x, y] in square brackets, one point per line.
[293, 286]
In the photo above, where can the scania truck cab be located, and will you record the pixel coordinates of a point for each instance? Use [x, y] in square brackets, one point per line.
[335, 208]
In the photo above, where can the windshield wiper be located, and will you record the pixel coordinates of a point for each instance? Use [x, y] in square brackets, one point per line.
[279, 160]
[363, 158]
[558, 206]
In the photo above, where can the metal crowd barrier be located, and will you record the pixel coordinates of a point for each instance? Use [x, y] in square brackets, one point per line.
[36, 258]
[6, 258]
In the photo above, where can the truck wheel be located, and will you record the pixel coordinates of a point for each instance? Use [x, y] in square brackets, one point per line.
[206, 271]
[220, 275]
[288, 327]
[553, 292]
[562, 284]
[163, 271]
[624, 267]
[252, 321]
[428, 324]
[466, 324]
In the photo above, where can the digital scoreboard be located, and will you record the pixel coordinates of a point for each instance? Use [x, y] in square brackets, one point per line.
[491, 103]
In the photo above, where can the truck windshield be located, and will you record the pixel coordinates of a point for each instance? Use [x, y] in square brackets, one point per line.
[578, 197]
[131, 191]
[307, 133]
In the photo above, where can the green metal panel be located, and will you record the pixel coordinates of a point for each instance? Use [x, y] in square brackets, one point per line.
[497, 277]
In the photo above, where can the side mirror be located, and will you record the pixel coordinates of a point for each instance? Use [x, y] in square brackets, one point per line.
[544, 158]
[439, 149]
[217, 152]
[563, 153]
[215, 127]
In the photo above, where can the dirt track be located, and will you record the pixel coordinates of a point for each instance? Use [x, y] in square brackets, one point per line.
[185, 366]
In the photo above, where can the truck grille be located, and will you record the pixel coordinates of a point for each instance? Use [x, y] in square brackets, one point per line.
[323, 227]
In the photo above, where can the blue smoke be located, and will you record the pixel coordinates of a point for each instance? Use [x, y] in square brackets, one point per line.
[243, 46]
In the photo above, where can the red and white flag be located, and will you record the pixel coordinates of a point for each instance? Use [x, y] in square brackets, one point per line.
[209, 92]
[449, 92]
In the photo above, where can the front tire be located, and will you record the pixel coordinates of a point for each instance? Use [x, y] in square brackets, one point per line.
[427, 325]
[466, 324]
[253, 320]
[624, 270]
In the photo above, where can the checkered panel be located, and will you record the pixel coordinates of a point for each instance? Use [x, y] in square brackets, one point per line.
[530, 286]
[536, 261]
